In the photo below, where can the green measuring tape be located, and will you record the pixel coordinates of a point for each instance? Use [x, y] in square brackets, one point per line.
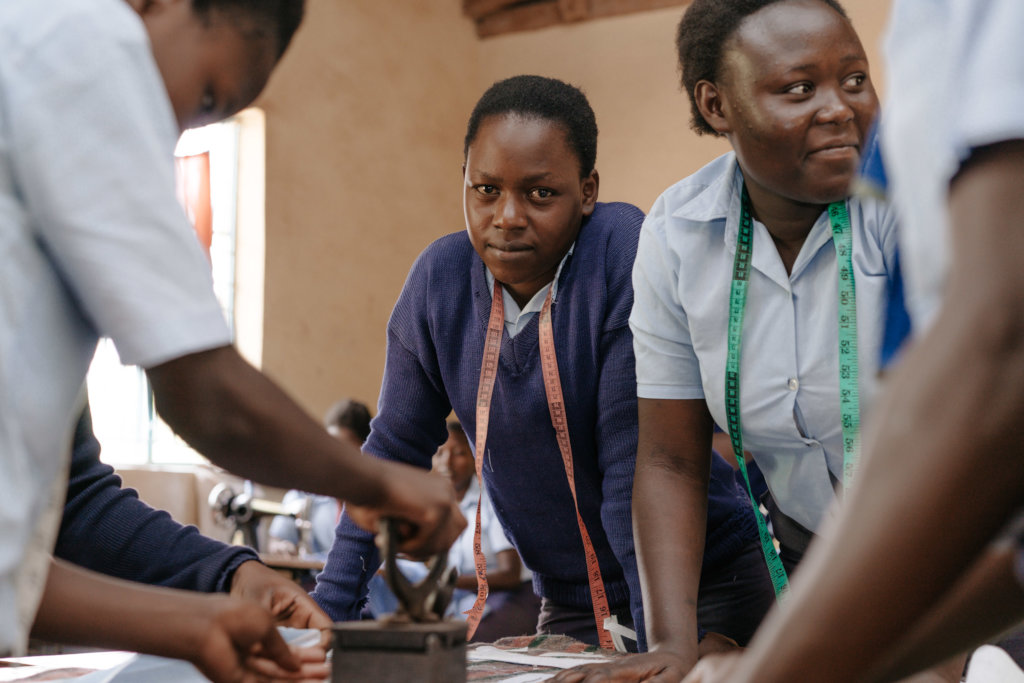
[849, 393]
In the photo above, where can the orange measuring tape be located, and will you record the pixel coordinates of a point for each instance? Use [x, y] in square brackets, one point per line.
[556, 406]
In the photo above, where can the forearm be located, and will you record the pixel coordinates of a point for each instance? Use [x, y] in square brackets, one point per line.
[669, 556]
[84, 608]
[670, 519]
[985, 603]
[505, 576]
[243, 422]
[955, 400]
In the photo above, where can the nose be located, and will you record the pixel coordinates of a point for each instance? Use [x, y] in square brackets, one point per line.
[509, 214]
[834, 107]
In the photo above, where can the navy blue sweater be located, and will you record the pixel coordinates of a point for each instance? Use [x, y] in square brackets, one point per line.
[108, 529]
[435, 346]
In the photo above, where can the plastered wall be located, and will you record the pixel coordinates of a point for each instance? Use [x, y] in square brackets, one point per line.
[364, 124]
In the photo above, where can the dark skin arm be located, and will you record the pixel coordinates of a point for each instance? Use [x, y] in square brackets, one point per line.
[670, 494]
[506, 576]
[229, 640]
[950, 421]
[243, 422]
[987, 602]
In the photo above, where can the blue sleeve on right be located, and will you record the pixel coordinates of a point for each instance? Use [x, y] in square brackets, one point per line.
[409, 426]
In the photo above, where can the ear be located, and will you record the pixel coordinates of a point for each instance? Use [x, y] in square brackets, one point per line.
[589, 189]
[711, 105]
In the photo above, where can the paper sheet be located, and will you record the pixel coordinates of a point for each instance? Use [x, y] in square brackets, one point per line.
[126, 667]
[554, 660]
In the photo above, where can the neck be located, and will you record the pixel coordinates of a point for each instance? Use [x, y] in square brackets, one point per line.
[523, 292]
[788, 221]
[461, 491]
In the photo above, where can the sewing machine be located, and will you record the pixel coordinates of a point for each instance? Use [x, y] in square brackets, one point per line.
[243, 510]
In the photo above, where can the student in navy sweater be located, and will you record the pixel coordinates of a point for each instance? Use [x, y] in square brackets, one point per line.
[534, 225]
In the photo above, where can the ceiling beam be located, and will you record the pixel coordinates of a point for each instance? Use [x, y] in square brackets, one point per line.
[496, 17]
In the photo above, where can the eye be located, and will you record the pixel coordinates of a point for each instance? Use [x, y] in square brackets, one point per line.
[855, 81]
[541, 193]
[800, 89]
[487, 190]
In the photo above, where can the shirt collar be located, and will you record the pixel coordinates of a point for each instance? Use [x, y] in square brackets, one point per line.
[512, 310]
[720, 200]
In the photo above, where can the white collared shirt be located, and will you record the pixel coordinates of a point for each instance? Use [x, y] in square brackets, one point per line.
[972, 95]
[789, 386]
[516, 318]
[93, 243]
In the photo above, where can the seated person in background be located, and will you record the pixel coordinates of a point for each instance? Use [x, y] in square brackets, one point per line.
[349, 421]
[542, 270]
[512, 607]
[107, 529]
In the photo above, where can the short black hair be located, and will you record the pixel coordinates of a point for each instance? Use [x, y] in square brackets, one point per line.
[538, 97]
[276, 19]
[704, 30]
[349, 414]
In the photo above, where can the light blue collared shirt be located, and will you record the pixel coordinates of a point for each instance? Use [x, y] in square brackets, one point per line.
[516, 318]
[789, 374]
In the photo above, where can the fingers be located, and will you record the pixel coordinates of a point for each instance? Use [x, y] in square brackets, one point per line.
[273, 647]
[366, 518]
[435, 535]
[313, 667]
[714, 668]
[716, 643]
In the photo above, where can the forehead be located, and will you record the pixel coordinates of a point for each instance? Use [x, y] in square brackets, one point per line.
[523, 142]
[791, 34]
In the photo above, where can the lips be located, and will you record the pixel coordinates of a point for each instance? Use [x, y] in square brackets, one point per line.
[510, 247]
[837, 148]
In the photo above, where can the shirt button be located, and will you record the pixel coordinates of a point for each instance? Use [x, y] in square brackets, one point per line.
[793, 384]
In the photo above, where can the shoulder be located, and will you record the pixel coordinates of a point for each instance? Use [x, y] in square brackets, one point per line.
[690, 218]
[69, 26]
[613, 226]
[701, 197]
[446, 257]
[876, 221]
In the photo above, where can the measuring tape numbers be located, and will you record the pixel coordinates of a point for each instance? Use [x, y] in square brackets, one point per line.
[849, 393]
[556, 407]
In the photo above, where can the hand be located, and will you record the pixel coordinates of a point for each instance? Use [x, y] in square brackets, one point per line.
[716, 668]
[237, 641]
[662, 667]
[424, 503]
[279, 546]
[287, 602]
[715, 643]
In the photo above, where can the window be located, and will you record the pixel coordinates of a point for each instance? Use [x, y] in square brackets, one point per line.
[216, 188]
